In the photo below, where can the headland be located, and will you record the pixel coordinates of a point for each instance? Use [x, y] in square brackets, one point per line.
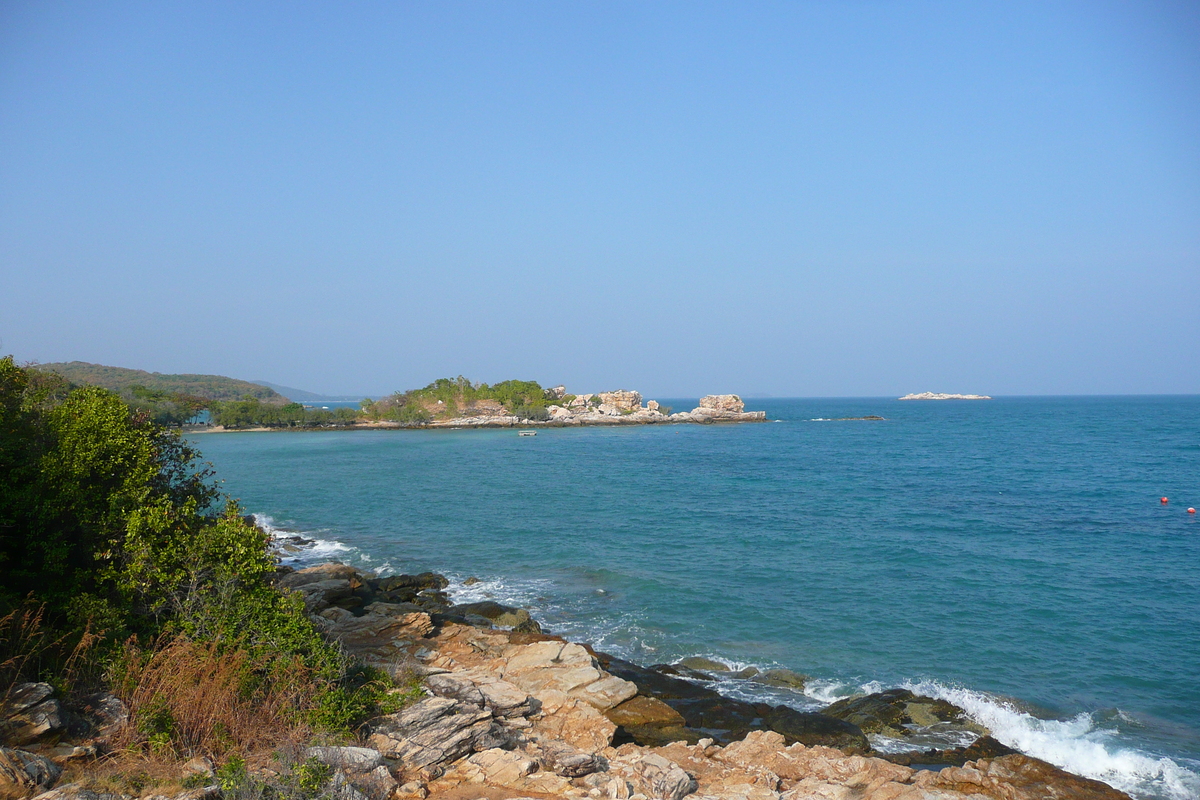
[939, 396]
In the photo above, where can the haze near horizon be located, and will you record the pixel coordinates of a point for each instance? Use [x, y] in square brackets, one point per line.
[787, 199]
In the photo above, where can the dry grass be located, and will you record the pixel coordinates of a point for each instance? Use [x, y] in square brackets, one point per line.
[29, 647]
[189, 698]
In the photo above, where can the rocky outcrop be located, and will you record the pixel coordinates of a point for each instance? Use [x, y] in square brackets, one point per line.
[28, 712]
[21, 772]
[435, 731]
[897, 713]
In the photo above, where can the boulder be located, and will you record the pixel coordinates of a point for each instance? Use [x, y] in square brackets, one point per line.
[482, 689]
[782, 678]
[564, 760]
[621, 401]
[650, 722]
[22, 773]
[435, 731]
[565, 667]
[810, 728]
[703, 664]
[1016, 777]
[97, 717]
[502, 615]
[424, 580]
[896, 712]
[375, 784]
[28, 712]
[658, 778]
[723, 403]
[321, 572]
[348, 759]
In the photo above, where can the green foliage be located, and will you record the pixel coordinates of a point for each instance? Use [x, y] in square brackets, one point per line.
[232, 775]
[253, 413]
[366, 692]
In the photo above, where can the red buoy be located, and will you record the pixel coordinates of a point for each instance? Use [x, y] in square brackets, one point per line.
[1164, 500]
[1191, 511]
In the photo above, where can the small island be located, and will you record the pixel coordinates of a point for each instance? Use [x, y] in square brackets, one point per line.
[937, 396]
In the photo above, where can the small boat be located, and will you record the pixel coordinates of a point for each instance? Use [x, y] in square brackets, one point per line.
[526, 433]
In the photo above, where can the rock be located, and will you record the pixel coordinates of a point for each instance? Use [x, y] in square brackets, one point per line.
[573, 721]
[895, 712]
[74, 791]
[376, 784]
[809, 729]
[471, 581]
[983, 747]
[783, 678]
[644, 711]
[435, 731]
[348, 759]
[725, 403]
[340, 788]
[200, 765]
[621, 400]
[424, 580]
[321, 572]
[500, 697]
[659, 778]
[29, 712]
[503, 768]
[413, 790]
[1016, 777]
[502, 615]
[564, 760]
[565, 667]
[703, 664]
[102, 715]
[21, 773]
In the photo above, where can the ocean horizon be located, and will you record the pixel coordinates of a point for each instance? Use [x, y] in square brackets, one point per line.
[1010, 555]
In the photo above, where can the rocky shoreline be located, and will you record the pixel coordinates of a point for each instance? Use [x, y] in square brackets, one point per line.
[512, 711]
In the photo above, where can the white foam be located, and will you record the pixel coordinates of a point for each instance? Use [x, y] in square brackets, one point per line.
[315, 551]
[1076, 745]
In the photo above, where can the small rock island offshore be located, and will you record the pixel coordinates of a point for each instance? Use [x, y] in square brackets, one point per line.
[937, 396]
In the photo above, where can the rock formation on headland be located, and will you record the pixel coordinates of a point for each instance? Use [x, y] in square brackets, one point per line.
[938, 396]
[605, 408]
[511, 712]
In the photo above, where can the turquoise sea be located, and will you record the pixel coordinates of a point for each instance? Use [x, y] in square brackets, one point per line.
[1010, 555]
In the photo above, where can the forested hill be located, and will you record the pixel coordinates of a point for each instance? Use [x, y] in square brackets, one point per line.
[122, 381]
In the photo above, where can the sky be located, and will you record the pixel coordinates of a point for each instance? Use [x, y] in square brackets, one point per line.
[857, 198]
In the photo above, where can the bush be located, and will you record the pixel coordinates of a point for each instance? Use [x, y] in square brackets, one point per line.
[534, 413]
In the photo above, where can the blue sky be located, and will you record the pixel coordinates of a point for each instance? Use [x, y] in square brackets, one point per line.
[795, 199]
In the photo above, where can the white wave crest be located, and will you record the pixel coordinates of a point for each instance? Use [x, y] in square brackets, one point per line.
[1076, 745]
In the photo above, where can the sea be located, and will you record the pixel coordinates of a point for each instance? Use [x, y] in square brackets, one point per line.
[1013, 556]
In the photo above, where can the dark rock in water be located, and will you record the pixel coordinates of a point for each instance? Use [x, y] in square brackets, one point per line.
[703, 664]
[528, 626]
[810, 729]
[679, 671]
[471, 581]
[425, 580]
[502, 615]
[653, 683]
[782, 678]
[983, 747]
[897, 711]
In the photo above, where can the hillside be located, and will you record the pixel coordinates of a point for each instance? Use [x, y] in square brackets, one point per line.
[121, 380]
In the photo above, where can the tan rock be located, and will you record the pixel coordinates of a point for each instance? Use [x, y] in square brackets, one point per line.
[1018, 777]
[641, 710]
[727, 403]
[503, 768]
[564, 667]
[573, 721]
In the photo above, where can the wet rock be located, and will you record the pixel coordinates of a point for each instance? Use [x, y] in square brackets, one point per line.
[782, 678]
[809, 729]
[435, 731]
[703, 664]
[321, 572]
[502, 615]
[28, 712]
[22, 773]
[897, 712]
[983, 747]
[1016, 777]
[425, 580]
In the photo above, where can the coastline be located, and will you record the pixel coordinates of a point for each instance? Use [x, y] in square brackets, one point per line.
[623, 719]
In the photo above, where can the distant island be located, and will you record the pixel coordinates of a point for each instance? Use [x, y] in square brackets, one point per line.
[233, 404]
[937, 396]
